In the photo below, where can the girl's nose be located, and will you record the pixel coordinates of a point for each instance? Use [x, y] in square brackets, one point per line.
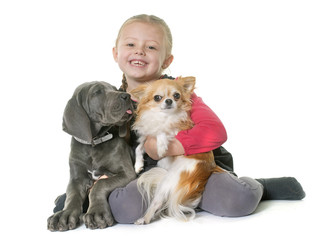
[140, 51]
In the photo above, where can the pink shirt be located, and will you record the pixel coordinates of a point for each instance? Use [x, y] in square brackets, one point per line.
[208, 132]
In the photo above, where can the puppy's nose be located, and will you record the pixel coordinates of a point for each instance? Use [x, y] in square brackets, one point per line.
[168, 102]
[124, 96]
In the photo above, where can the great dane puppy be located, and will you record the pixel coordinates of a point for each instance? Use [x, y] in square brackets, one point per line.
[96, 116]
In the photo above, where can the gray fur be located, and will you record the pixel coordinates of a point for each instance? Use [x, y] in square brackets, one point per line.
[94, 106]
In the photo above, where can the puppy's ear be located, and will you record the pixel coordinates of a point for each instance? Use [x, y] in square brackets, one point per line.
[75, 120]
[138, 92]
[187, 82]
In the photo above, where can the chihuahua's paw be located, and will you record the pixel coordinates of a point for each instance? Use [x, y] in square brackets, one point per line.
[139, 166]
[140, 221]
[162, 144]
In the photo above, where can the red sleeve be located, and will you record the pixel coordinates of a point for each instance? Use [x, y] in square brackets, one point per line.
[208, 132]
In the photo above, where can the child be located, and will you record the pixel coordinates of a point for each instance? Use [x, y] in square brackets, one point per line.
[142, 51]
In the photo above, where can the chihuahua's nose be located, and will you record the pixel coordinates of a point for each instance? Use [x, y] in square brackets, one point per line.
[124, 96]
[168, 102]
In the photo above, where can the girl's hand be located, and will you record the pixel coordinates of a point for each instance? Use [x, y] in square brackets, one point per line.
[174, 148]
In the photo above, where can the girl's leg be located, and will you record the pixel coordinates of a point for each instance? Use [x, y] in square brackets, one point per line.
[224, 195]
[229, 196]
[284, 188]
[127, 204]
[60, 203]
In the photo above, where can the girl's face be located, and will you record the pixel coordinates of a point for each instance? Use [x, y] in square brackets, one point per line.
[141, 52]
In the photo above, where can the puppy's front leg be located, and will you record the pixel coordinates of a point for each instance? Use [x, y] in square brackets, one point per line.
[68, 218]
[99, 214]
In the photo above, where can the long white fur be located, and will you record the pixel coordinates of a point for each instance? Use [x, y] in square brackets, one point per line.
[159, 185]
[156, 123]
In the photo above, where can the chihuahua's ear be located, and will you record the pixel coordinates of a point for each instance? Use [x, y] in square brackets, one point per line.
[188, 83]
[138, 92]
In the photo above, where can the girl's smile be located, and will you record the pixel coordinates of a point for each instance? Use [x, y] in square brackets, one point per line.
[138, 63]
[141, 52]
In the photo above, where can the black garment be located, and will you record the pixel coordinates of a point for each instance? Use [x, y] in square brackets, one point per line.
[222, 158]
[284, 188]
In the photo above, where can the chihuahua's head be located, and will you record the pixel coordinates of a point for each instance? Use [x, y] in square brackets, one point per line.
[165, 95]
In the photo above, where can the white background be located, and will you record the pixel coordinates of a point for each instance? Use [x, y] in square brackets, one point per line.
[257, 64]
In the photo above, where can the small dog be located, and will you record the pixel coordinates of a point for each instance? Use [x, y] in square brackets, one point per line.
[177, 184]
[96, 116]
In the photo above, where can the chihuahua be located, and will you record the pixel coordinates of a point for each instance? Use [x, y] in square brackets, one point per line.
[174, 188]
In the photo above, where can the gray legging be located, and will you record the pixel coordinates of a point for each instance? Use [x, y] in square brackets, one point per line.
[224, 195]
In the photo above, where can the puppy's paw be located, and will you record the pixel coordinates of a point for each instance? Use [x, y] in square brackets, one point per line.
[95, 219]
[63, 220]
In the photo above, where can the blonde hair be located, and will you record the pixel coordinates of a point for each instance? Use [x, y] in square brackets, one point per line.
[152, 20]
[144, 18]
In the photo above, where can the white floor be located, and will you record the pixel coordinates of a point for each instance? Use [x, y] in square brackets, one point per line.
[272, 220]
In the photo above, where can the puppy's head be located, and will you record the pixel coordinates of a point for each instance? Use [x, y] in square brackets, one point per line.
[94, 105]
[165, 95]
[107, 106]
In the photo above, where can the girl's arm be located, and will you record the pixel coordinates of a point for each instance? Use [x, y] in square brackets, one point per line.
[174, 148]
[207, 134]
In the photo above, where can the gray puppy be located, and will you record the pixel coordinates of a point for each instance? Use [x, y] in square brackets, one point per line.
[96, 116]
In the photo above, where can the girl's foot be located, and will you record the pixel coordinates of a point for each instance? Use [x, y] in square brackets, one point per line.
[285, 188]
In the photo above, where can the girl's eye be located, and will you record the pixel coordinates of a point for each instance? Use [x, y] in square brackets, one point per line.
[130, 44]
[176, 96]
[151, 48]
[157, 98]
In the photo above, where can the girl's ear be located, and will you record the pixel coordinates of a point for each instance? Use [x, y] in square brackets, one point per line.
[115, 54]
[188, 83]
[138, 92]
[168, 62]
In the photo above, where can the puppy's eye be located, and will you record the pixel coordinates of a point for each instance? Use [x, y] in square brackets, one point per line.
[157, 98]
[176, 96]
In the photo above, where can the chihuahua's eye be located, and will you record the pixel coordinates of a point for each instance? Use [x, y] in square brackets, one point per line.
[157, 98]
[176, 96]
